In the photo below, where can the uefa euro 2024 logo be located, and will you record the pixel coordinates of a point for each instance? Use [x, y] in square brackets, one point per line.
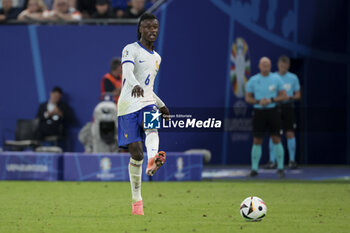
[105, 164]
[151, 120]
[240, 66]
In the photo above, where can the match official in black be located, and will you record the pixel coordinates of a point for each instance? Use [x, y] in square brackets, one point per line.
[263, 90]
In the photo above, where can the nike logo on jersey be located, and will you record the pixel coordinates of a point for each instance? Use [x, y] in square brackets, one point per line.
[141, 61]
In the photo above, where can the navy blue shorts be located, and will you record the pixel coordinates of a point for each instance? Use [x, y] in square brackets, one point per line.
[130, 128]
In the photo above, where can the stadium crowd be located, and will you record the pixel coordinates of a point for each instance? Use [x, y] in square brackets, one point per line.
[70, 10]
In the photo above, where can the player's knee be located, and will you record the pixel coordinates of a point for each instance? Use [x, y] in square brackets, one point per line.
[257, 141]
[276, 139]
[151, 131]
[136, 151]
[290, 134]
[137, 155]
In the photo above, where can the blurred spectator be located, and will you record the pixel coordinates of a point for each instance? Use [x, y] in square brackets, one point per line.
[62, 11]
[72, 3]
[24, 4]
[19, 3]
[86, 7]
[136, 9]
[48, 4]
[111, 82]
[119, 6]
[54, 115]
[34, 11]
[103, 10]
[149, 3]
[8, 11]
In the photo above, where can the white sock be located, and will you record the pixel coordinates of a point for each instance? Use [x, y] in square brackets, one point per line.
[135, 174]
[151, 142]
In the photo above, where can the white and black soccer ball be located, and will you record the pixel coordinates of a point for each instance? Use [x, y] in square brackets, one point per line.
[253, 209]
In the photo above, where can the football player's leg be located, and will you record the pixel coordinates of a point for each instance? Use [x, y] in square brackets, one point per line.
[272, 160]
[259, 122]
[151, 142]
[256, 153]
[279, 151]
[291, 143]
[135, 175]
[275, 134]
[290, 126]
[271, 151]
[155, 159]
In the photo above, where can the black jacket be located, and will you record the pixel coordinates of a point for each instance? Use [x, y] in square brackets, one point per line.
[51, 126]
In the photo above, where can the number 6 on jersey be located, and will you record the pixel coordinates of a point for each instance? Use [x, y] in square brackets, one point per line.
[147, 80]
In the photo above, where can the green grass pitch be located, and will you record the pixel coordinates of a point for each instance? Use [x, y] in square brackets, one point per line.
[173, 207]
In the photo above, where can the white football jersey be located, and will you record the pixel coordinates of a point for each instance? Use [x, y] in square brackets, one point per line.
[146, 66]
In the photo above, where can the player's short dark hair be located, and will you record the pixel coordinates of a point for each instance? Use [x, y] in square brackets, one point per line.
[284, 59]
[57, 89]
[115, 62]
[143, 17]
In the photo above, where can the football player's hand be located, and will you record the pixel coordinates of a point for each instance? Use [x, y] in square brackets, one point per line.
[268, 101]
[165, 113]
[137, 91]
[263, 102]
[57, 111]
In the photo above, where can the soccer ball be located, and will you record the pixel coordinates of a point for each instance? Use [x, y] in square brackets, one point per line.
[253, 209]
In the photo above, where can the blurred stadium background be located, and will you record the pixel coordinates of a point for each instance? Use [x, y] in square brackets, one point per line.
[196, 47]
[199, 42]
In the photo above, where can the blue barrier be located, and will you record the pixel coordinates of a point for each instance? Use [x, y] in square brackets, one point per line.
[180, 167]
[114, 167]
[30, 166]
[97, 167]
[197, 69]
[93, 167]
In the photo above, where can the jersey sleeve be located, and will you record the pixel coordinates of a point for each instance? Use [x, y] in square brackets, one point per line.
[128, 63]
[128, 55]
[296, 86]
[128, 74]
[249, 88]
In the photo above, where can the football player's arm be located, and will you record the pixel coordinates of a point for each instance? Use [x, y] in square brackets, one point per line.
[162, 108]
[249, 93]
[297, 93]
[128, 73]
[282, 96]
[249, 98]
